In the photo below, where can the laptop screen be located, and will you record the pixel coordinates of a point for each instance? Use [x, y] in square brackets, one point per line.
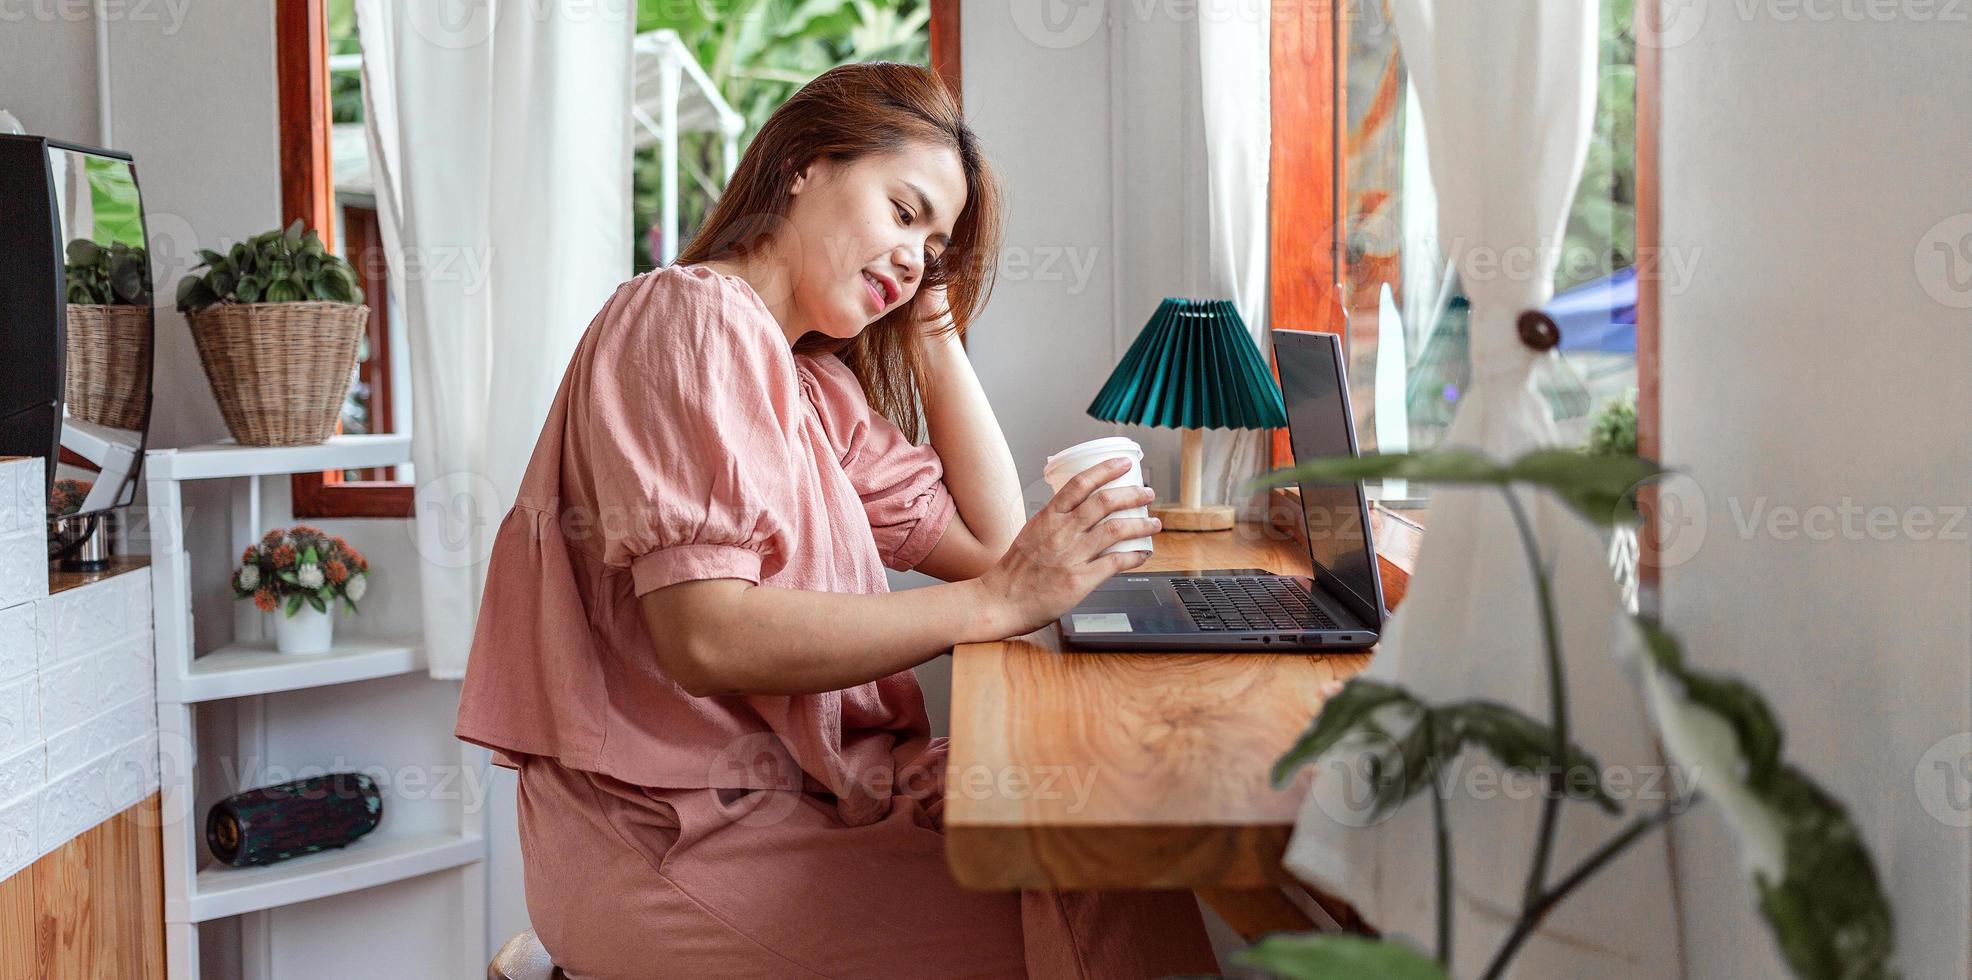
[1319, 423]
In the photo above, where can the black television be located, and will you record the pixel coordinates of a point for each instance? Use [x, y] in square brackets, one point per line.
[77, 326]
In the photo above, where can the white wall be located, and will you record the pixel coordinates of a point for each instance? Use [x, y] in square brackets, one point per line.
[1093, 133]
[48, 70]
[1807, 166]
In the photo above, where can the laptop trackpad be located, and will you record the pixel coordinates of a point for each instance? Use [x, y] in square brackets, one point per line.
[1124, 598]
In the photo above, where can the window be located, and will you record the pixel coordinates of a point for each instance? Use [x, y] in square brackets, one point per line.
[324, 182]
[755, 70]
[1396, 298]
[325, 175]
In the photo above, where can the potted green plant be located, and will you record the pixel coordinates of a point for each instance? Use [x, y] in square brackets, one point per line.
[298, 573]
[108, 333]
[277, 320]
[1817, 887]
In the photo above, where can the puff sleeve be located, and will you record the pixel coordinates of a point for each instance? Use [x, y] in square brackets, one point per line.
[902, 485]
[681, 435]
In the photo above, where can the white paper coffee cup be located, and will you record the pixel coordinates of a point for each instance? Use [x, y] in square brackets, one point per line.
[1062, 467]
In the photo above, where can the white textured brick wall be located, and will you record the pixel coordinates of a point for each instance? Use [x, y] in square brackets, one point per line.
[23, 533]
[78, 719]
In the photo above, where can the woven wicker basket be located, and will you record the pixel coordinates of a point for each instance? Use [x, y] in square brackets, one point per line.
[108, 364]
[279, 371]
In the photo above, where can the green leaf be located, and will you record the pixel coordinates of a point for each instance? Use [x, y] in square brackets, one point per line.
[1416, 757]
[294, 605]
[309, 556]
[1752, 720]
[1344, 713]
[1600, 488]
[128, 280]
[1827, 909]
[1828, 913]
[193, 294]
[1339, 956]
[293, 232]
[316, 601]
[82, 251]
[288, 576]
[799, 21]
[210, 258]
[1455, 466]
[1517, 741]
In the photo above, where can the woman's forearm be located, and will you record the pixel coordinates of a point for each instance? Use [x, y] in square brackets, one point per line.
[979, 468]
[728, 636]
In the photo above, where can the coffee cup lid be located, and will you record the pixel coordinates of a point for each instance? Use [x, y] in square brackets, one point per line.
[1098, 448]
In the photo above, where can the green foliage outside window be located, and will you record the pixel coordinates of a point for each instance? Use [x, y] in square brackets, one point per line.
[1601, 234]
[758, 53]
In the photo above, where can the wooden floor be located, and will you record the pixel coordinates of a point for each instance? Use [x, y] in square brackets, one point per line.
[92, 908]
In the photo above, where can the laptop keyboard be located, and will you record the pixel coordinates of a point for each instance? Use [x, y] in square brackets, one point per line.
[1249, 603]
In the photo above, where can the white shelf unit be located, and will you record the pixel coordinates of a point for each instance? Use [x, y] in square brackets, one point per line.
[248, 670]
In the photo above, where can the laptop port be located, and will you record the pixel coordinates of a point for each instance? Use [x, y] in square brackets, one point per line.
[1287, 638]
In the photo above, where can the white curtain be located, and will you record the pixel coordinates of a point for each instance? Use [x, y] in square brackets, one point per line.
[1507, 90]
[500, 147]
[1233, 58]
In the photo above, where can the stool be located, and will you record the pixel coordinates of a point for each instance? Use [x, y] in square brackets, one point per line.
[523, 958]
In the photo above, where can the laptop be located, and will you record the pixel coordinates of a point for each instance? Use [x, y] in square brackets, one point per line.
[1339, 608]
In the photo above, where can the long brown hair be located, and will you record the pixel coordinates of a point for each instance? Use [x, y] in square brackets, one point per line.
[846, 113]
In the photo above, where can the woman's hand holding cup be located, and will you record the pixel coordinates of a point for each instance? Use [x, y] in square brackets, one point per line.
[1057, 558]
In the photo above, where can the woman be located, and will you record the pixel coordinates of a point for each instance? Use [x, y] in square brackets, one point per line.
[687, 646]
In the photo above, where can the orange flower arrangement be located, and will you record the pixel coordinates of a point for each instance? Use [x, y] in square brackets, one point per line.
[297, 565]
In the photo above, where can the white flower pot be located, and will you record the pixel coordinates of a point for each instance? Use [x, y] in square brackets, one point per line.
[307, 631]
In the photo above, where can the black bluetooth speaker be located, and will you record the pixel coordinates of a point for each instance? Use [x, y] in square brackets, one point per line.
[274, 823]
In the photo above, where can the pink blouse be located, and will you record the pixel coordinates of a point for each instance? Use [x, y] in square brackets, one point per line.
[688, 441]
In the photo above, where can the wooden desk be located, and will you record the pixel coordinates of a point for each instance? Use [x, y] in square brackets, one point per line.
[1123, 770]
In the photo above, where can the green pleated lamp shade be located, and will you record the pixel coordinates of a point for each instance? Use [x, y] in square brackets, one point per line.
[1193, 367]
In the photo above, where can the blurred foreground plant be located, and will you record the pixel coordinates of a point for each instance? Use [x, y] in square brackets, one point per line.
[1819, 892]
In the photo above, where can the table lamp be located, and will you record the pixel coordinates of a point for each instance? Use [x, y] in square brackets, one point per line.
[1194, 367]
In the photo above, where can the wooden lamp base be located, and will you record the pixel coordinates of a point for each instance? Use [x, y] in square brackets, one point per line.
[1190, 513]
[1211, 517]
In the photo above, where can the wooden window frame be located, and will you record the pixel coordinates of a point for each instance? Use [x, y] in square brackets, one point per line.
[301, 60]
[945, 59]
[301, 63]
[1304, 271]
[1304, 203]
